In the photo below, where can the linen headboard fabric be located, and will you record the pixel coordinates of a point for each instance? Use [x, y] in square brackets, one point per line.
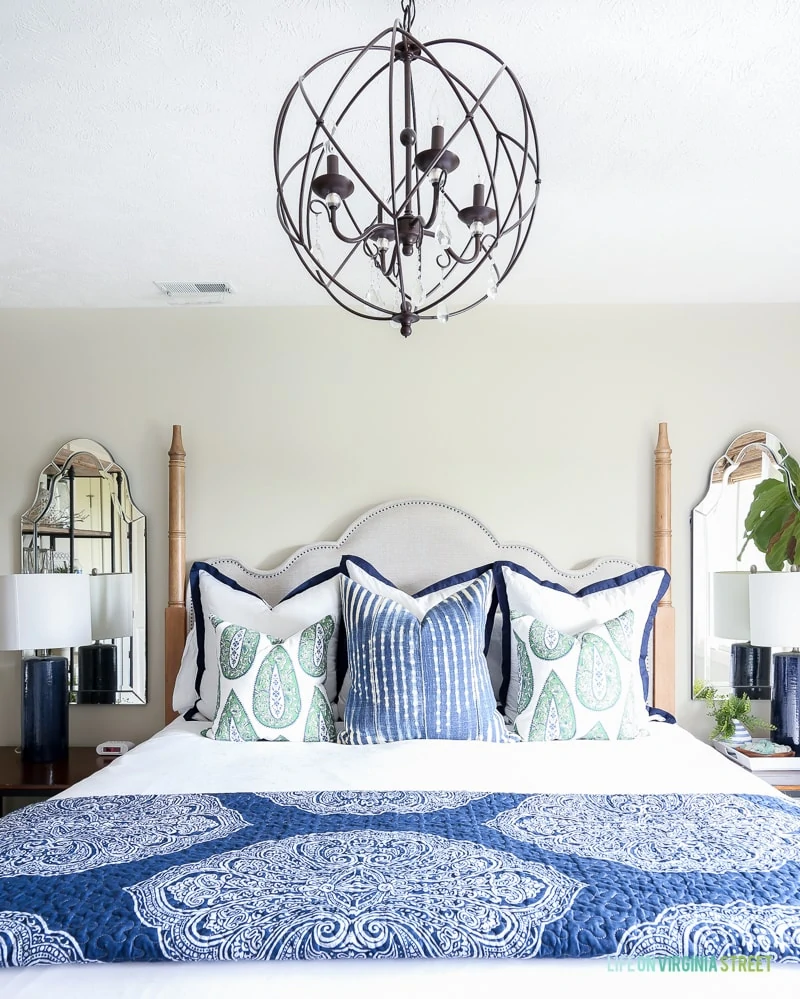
[414, 542]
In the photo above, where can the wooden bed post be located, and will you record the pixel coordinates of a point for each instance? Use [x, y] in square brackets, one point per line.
[175, 614]
[664, 631]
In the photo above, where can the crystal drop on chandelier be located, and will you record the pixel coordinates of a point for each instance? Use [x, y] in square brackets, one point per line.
[491, 285]
[443, 235]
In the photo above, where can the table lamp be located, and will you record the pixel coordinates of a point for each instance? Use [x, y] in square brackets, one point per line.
[43, 611]
[112, 617]
[775, 620]
[750, 661]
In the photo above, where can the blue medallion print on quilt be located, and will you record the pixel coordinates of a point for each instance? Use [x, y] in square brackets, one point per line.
[717, 931]
[408, 874]
[354, 893]
[69, 835]
[26, 939]
[372, 802]
[716, 833]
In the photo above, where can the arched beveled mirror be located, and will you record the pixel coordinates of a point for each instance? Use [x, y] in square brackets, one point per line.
[83, 519]
[750, 517]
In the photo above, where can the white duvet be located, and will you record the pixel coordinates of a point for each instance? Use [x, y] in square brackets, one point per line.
[179, 759]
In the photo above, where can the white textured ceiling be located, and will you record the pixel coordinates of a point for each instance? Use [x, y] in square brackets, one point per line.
[136, 144]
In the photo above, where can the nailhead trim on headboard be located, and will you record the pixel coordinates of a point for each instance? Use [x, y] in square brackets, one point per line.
[598, 568]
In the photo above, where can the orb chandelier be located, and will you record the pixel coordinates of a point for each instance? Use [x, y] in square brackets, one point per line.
[396, 229]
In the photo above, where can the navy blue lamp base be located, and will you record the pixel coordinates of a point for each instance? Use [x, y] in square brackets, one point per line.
[97, 674]
[785, 715]
[750, 666]
[44, 709]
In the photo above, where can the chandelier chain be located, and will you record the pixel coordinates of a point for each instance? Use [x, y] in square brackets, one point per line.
[409, 9]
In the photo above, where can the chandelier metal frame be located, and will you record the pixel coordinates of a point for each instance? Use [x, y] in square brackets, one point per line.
[399, 231]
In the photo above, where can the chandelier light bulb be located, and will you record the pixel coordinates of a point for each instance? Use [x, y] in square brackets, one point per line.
[333, 200]
[435, 107]
[330, 149]
[476, 228]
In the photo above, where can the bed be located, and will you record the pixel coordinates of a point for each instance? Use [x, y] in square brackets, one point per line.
[193, 866]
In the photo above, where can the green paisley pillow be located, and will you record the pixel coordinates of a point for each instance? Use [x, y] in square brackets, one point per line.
[576, 686]
[272, 689]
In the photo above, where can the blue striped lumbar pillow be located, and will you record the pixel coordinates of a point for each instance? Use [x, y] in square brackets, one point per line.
[419, 675]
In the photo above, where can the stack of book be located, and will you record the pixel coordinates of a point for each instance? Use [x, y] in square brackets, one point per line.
[780, 770]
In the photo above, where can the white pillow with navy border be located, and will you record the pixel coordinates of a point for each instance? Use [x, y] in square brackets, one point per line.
[216, 595]
[520, 592]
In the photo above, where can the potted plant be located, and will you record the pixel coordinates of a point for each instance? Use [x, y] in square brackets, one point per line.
[734, 720]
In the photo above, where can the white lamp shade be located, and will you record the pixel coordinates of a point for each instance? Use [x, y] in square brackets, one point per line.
[775, 609]
[732, 606]
[44, 611]
[112, 604]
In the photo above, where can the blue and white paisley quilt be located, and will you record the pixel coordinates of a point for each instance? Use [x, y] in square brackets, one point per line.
[409, 874]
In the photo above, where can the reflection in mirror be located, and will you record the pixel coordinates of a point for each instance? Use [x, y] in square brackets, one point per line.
[746, 522]
[83, 519]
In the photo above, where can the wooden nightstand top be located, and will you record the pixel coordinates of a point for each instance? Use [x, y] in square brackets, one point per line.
[18, 777]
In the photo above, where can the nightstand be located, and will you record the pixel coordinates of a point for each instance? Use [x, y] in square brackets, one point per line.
[793, 789]
[35, 780]
[783, 774]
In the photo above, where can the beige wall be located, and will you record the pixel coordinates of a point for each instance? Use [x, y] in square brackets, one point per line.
[540, 421]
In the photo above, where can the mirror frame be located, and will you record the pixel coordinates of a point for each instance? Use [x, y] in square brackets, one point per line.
[100, 463]
[733, 458]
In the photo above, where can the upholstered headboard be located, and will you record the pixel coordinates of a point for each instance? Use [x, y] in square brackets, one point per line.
[414, 542]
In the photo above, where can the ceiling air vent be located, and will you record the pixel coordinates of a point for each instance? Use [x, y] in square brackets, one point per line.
[197, 293]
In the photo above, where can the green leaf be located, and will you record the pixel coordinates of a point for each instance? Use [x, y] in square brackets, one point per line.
[621, 632]
[773, 521]
[770, 524]
[237, 650]
[793, 468]
[313, 652]
[628, 727]
[234, 724]
[793, 548]
[597, 733]
[320, 726]
[554, 716]
[598, 682]
[276, 695]
[525, 676]
[548, 643]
